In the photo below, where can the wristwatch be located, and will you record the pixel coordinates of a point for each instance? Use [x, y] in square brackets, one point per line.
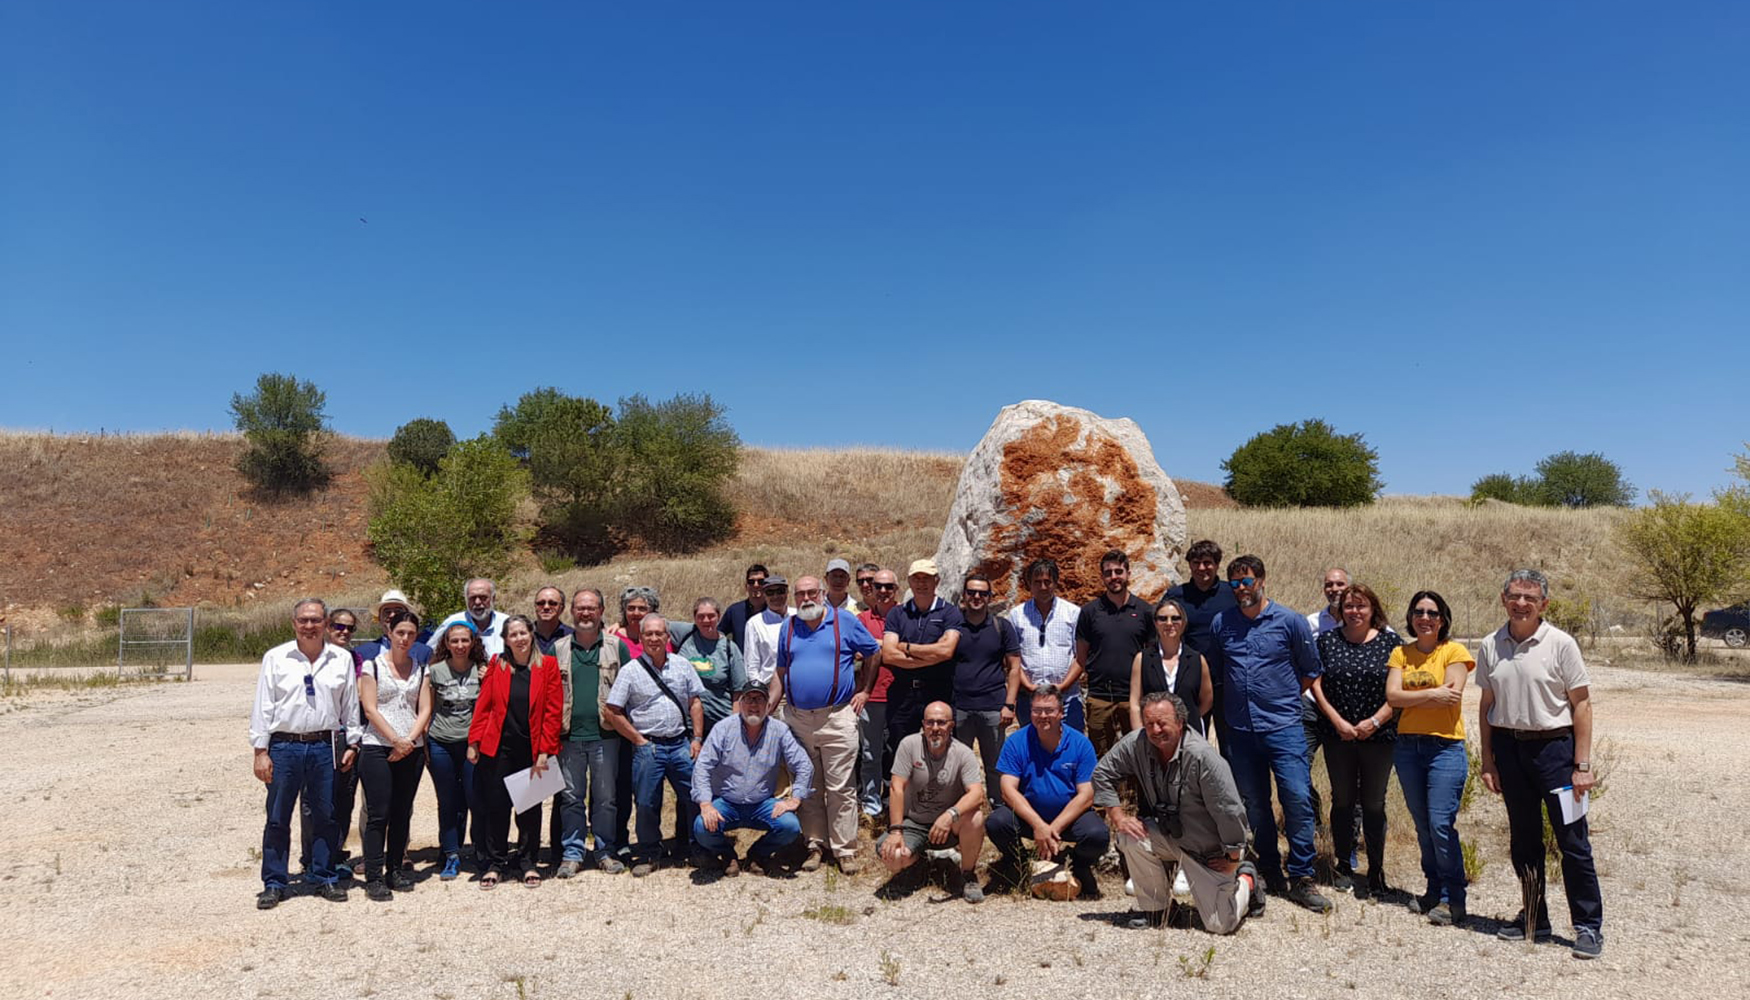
[1584, 766]
[954, 812]
[1010, 706]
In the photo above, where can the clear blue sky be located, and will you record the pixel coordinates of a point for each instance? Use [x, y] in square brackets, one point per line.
[1476, 233]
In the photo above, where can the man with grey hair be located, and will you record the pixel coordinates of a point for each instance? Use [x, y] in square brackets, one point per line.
[589, 748]
[478, 594]
[654, 706]
[1535, 729]
[303, 725]
[716, 659]
[1189, 818]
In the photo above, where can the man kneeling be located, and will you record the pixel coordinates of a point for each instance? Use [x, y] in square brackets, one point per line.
[735, 783]
[937, 788]
[1191, 819]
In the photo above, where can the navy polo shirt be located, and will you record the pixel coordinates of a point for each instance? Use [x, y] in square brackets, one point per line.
[1201, 607]
[1263, 661]
[980, 680]
[1115, 633]
[922, 626]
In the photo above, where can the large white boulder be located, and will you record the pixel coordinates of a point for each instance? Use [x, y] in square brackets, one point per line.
[1055, 481]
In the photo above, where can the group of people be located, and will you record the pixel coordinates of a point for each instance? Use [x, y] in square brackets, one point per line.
[1153, 730]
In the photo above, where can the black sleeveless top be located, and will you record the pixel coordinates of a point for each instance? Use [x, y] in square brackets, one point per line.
[1188, 685]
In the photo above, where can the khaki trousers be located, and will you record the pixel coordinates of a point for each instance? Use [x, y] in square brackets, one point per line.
[829, 816]
[1221, 899]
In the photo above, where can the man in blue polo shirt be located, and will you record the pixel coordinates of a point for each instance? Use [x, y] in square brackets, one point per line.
[1268, 659]
[1046, 772]
[817, 672]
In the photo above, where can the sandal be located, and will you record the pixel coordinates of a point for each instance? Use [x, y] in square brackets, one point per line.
[488, 880]
[532, 879]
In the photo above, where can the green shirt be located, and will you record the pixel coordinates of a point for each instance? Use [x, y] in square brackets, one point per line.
[586, 682]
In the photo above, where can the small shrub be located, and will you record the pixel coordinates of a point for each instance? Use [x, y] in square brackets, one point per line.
[1505, 487]
[286, 431]
[555, 562]
[1474, 862]
[73, 613]
[108, 616]
[422, 443]
[1573, 616]
[1303, 465]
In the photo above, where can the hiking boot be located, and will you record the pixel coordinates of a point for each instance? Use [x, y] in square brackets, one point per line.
[1515, 930]
[401, 881]
[610, 865]
[1426, 902]
[1588, 943]
[568, 869]
[1447, 915]
[849, 865]
[333, 892]
[1376, 886]
[969, 888]
[1255, 902]
[1342, 881]
[811, 863]
[1304, 893]
[642, 869]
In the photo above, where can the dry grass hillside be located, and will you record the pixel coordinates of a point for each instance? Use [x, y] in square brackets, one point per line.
[94, 520]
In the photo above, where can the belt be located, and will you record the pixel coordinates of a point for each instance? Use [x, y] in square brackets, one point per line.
[320, 736]
[676, 738]
[1531, 735]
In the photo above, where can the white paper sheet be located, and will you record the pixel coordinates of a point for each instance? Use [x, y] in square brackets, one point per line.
[1572, 807]
[528, 791]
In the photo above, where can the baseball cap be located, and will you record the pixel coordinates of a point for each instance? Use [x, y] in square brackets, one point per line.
[925, 566]
[838, 564]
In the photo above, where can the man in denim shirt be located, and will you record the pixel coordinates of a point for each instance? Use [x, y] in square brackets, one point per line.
[1268, 659]
[735, 783]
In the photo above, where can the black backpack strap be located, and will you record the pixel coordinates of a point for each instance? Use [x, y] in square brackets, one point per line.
[656, 676]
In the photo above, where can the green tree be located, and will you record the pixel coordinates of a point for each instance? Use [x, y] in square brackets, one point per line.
[422, 443]
[285, 433]
[1506, 487]
[678, 458]
[567, 443]
[1690, 554]
[1570, 479]
[1304, 465]
[432, 533]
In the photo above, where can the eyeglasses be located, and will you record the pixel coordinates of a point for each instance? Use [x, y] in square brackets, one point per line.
[886, 588]
[310, 621]
[546, 604]
[338, 627]
[980, 594]
[1244, 581]
[755, 581]
[1169, 618]
[1421, 613]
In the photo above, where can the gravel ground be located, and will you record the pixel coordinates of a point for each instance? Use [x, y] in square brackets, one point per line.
[157, 900]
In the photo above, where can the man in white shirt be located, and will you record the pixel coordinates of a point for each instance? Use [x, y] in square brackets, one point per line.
[306, 714]
[1047, 629]
[479, 593]
[760, 644]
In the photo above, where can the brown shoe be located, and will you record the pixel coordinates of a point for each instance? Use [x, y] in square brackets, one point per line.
[811, 863]
[849, 865]
[731, 867]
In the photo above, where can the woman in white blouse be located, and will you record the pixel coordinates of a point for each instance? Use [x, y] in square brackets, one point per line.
[395, 695]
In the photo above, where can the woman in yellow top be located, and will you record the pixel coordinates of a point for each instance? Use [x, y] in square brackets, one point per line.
[1426, 681]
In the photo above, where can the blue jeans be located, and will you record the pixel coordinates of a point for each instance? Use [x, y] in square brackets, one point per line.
[748, 816]
[1431, 771]
[652, 763]
[1256, 758]
[306, 770]
[452, 777]
[873, 759]
[587, 803]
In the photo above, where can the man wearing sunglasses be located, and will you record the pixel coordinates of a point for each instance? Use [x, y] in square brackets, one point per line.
[305, 696]
[391, 602]
[1268, 660]
[875, 753]
[549, 612]
[987, 655]
[736, 616]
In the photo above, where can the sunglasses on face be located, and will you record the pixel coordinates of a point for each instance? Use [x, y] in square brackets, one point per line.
[980, 594]
[1169, 618]
[339, 627]
[887, 588]
[1244, 581]
[864, 581]
[755, 581]
[1424, 613]
[547, 604]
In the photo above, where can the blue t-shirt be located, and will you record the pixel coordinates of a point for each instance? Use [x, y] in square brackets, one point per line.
[980, 658]
[1048, 779]
[1262, 662]
[819, 675]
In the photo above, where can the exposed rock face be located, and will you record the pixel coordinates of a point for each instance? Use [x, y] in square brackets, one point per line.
[1055, 481]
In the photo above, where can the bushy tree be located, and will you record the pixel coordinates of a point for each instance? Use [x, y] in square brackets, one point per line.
[678, 459]
[567, 443]
[1506, 487]
[1303, 465]
[1570, 479]
[285, 432]
[422, 443]
[1690, 555]
[432, 533]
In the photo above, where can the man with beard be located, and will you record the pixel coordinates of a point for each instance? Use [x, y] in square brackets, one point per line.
[654, 705]
[1046, 627]
[817, 672]
[1190, 818]
[938, 787]
[1110, 631]
[1268, 659]
[479, 594]
[735, 783]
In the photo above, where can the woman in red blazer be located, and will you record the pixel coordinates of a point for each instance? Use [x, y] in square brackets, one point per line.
[516, 726]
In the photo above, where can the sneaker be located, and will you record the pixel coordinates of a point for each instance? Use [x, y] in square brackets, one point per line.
[1376, 886]
[642, 869]
[1425, 903]
[1342, 882]
[1515, 930]
[452, 868]
[1130, 887]
[1588, 943]
[567, 869]
[849, 865]
[269, 898]
[378, 891]
[1005, 875]
[1255, 904]
[1447, 915]
[811, 863]
[610, 865]
[1141, 920]
[1304, 893]
[401, 881]
[334, 892]
[971, 891]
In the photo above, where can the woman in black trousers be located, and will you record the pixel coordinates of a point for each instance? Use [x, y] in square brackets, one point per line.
[395, 697]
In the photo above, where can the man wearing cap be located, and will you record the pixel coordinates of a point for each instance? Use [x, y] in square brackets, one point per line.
[918, 647]
[875, 752]
[391, 602]
[735, 783]
[817, 675]
[478, 594]
[305, 716]
[838, 587]
[735, 617]
[759, 648]
[938, 789]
